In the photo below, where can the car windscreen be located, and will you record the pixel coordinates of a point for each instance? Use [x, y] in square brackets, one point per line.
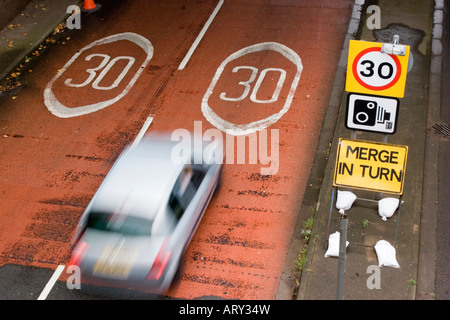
[124, 224]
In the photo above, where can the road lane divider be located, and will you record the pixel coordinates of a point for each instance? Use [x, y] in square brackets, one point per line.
[48, 287]
[141, 133]
[200, 35]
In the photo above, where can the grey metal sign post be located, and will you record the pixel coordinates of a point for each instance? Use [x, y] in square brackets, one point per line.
[342, 254]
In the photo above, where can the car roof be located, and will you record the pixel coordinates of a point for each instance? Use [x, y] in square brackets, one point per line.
[140, 180]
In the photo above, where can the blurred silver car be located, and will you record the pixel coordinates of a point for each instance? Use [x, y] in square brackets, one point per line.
[135, 230]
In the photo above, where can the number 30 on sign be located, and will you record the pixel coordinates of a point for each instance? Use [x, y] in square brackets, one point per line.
[372, 72]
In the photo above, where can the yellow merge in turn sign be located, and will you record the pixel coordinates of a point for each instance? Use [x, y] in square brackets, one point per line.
[370, 166]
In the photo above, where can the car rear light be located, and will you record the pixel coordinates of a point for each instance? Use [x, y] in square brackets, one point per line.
[79, 253]
[160, 263]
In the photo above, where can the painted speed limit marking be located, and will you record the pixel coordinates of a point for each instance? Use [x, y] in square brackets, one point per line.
[248, 89]
[370, 71]
[375, 70]
[117, 69]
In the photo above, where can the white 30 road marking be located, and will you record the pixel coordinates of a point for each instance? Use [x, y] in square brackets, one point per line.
[60, 110]
[93, 74]
[244, 129]
[247, 85]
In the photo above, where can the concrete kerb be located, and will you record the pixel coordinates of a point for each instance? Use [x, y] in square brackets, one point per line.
[288, 289]
[24, 46]
[10, 8]
[427, 247]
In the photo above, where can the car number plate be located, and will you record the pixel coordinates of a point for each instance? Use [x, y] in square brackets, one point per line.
[115, 262]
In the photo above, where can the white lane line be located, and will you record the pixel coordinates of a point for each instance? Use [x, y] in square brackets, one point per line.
[141, 133]
[51, 282]
[200, 36]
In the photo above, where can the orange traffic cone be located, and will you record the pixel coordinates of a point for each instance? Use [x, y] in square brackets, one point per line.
[90, 6]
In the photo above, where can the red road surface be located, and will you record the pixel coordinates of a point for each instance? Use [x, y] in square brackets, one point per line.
[51, 166]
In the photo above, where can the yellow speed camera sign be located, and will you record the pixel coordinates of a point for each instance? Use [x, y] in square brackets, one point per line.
[370, 166]
[372, 72]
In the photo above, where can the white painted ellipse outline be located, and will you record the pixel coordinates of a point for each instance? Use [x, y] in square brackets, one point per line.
[243, 129]
[60, 110]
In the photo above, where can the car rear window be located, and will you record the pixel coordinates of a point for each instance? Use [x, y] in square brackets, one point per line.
[124, 224]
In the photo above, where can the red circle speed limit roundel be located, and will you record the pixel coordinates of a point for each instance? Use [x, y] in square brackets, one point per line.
[375, 70]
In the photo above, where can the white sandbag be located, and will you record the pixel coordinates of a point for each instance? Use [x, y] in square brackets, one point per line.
[333, 245]
[386, 254]
[387, 207]
[344, 200]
